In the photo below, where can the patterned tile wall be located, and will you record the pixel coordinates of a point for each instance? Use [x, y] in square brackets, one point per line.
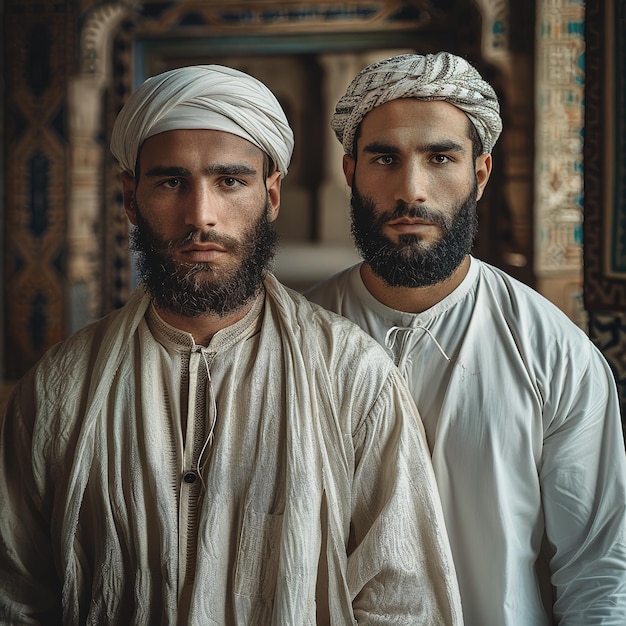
[38, 44]
[558, 163]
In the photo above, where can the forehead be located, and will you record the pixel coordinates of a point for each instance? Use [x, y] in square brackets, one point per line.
[428, 120]
[185, 146]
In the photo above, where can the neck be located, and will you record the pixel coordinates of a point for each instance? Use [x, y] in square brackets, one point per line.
[203, 327]
[413, 299]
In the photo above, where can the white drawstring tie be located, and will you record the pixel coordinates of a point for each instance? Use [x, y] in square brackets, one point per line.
[213, 417]
[392, 335]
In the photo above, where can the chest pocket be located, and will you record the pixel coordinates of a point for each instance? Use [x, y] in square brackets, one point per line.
[258, 554]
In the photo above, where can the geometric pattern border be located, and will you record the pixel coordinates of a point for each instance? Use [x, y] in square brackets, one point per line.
[604, 226]
[39, 49]
[617, 247]
[608, 332]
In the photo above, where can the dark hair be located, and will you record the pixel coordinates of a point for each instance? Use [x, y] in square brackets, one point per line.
[477, 144]
[269, 167]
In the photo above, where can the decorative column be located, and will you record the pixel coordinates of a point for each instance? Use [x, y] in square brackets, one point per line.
[558, 213]
[85, 220]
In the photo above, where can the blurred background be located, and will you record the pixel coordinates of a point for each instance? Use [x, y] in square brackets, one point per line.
[554, 214]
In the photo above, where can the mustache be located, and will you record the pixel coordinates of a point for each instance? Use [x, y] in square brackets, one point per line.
[201, 236]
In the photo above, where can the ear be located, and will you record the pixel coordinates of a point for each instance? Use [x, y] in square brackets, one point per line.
[272, 184]
[128, 196]
[483, 171]
[348, 168]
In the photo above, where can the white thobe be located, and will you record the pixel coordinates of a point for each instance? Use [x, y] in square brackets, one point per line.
[524, 429]
[313, 501]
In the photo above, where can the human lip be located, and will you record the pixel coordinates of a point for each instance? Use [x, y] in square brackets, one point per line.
[407, 225]
[202, 252]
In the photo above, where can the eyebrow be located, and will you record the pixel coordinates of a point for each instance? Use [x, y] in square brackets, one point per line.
[218, 169]
[379, 147]
[161, 170]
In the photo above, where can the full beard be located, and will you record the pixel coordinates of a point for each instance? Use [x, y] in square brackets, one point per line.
[411, 262]
[200, 289]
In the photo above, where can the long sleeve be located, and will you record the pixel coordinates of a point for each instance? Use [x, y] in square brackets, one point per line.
[583, 482]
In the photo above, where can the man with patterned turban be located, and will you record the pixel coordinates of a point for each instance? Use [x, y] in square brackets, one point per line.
[212, 452]
[520, 409]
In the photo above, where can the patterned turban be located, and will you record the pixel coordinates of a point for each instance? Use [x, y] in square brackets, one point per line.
[440, 76]
[210, 97]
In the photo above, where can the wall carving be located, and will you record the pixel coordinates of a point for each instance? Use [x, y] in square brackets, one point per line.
[39, 47]
[605, 156]
[86, 91]
[99, 27]
[605, 182]
[559, 104]
[558, 197]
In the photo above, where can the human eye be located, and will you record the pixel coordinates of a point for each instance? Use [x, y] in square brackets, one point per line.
[440, 159]
[385, 159]
[230, 182]
[171, 183]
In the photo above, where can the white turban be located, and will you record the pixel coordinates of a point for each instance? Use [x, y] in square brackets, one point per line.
[440, 76]
[211, 97]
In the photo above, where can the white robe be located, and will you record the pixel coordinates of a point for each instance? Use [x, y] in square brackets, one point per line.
[318, 502]
[524, 429]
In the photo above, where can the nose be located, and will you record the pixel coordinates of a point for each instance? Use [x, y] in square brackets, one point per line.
[202, 208]
[411, 184]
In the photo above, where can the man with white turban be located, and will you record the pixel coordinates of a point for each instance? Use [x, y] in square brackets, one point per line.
[212, 452]
[520, 409]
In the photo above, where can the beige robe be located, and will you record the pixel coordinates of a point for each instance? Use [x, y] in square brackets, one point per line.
[314, 502]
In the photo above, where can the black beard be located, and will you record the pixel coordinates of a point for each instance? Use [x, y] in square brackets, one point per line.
[410, 263]
[197, 289]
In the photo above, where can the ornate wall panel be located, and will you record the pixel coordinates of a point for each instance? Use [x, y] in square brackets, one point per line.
[559, 100]
[605, 157]
[605, 182]
[38, 49]
[558, 198]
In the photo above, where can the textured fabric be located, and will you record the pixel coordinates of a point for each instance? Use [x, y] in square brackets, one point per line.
[441, 76]
[318, 503]
[210, 97]
[523, 425]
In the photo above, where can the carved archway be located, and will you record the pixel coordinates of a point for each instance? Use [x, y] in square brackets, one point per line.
[87, 157]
